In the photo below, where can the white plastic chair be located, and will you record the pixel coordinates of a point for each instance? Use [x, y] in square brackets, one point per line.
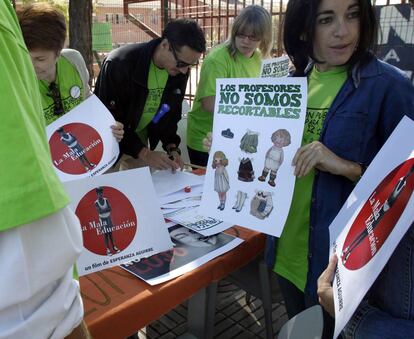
[308, 324]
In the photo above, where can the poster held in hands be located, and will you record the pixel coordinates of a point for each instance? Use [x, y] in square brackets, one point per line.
[376, 216]
[275, 67]
[257, 129]
[81, 141]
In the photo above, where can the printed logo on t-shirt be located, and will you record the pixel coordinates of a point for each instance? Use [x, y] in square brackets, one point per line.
[108, 220]
[76, 148]
[313, 124]
[75, 92]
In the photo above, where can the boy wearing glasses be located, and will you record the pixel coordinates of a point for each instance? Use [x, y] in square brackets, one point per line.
[62, 74]
[143, 85]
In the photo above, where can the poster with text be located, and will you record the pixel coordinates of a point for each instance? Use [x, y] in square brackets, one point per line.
[120, 219]
[81, 141]
[191, 250]
[258, 127]
[396, 42]
[372, 221]
[275, 67]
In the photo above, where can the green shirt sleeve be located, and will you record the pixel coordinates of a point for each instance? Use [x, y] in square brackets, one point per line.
[30, 188]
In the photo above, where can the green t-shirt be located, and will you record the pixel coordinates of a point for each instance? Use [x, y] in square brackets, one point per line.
[29, 186]
[157, 79]
[292, 247]
[70, 87]
[218, 64]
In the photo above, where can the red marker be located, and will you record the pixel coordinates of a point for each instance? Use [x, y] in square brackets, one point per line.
[187, 189]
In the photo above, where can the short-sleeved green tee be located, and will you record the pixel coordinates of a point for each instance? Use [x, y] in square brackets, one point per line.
[70, 87]
[30, 189]
[218, 64]
[292, 247]
[157, 79]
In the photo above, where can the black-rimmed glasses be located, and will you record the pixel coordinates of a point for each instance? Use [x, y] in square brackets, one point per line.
[245, 36]
[179, 63]
[54, 93]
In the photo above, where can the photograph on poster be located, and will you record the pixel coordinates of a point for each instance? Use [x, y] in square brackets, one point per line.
[120, 219]
[191, 250]
[81, 142]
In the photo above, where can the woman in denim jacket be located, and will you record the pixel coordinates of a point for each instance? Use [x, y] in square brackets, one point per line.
[354, 103]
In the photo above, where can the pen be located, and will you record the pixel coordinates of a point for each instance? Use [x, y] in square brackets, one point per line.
[161, 112]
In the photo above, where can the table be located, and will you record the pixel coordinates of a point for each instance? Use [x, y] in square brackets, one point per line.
[118, 304]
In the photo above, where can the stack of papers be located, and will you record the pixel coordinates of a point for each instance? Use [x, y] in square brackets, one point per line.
[179, 195]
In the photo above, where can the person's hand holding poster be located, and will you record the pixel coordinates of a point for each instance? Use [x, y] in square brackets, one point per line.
[376, 216]
[258, 127]
[81, 141]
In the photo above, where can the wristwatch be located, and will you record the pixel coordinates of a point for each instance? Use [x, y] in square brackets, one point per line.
[173, 149]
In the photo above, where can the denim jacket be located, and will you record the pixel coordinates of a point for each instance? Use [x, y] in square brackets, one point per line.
[388, 311]
[366, 110]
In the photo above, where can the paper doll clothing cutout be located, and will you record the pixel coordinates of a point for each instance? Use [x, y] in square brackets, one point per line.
[261, 205]
[227, 133]
[240, 199]
[249, 142]
[245, 172]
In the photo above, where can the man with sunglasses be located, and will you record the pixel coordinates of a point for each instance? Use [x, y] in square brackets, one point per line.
[143, 85]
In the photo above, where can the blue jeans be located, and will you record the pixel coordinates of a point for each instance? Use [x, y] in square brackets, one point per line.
[388, 311]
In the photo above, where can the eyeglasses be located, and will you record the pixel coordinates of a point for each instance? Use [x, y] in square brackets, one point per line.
[54, 93]
[179, 63]
[250, 37]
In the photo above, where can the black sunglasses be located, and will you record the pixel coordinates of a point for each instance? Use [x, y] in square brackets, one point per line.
[179, 63]
[54, 93]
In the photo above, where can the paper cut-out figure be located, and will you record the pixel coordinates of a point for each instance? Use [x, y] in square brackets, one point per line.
[261, 205]
[221, 177]
[105, 220]
[78, 151]
[245, 172]
[274, 155]
[241, 197]
[249, 141]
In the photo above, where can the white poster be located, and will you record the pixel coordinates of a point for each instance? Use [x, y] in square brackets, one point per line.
[376, 216]
[258, 127]
[120, 219]
[81, 141]
[191, 250]
[275, 67]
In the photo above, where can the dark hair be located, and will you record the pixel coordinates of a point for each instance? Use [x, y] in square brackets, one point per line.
[43, 26]
[185, 32]
[299, 32]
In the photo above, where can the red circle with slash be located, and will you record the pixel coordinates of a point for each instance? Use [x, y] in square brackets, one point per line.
[122, 217]
[82, 158]
[378, 217]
